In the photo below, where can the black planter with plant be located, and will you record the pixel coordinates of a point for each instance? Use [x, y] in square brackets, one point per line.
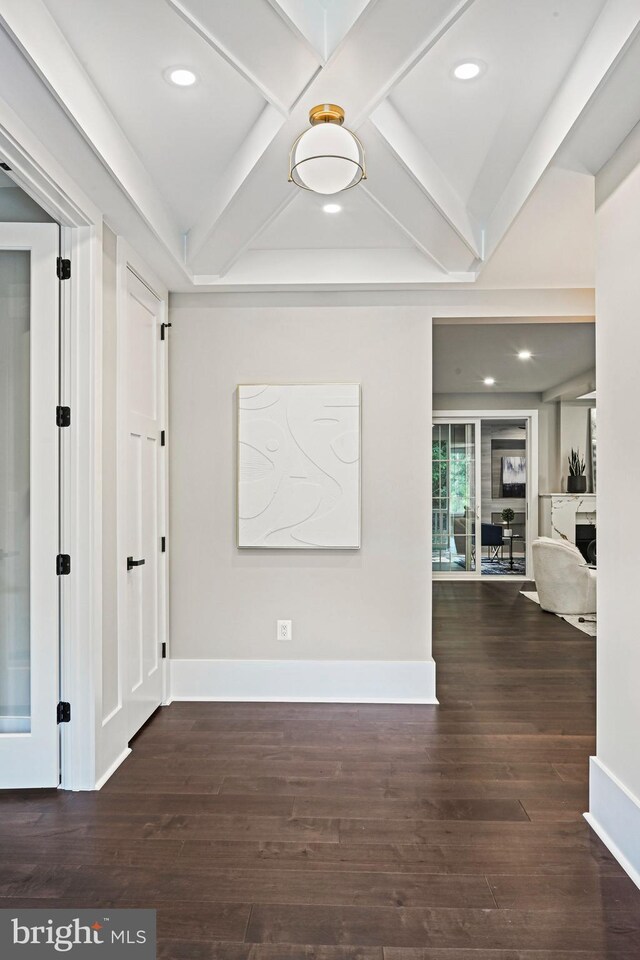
[508, 516]
[577, 480]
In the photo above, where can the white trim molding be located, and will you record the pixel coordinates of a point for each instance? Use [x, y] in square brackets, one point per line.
[614, 814]
[305, 681]
[112, 769]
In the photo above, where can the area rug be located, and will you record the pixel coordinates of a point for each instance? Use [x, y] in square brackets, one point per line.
[589, 626]
[500, 568]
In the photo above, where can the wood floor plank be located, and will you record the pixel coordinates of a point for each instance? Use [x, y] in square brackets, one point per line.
[139, 826]
[572, 892]
[423, 809]
[411, 953]
[408, 788]
[527, 856]
[554, 808]
[202, 950]
[498, 929]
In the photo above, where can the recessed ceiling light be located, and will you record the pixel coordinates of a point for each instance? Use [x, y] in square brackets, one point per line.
[332, 208]
[524, 354]
[180, 76]
[489, 381]
[468, 70]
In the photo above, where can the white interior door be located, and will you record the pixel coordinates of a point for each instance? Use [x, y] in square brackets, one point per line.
[29, 667]
[141, 499]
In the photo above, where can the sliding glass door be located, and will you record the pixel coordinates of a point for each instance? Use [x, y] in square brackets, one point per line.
[456, 497]
[484, 489]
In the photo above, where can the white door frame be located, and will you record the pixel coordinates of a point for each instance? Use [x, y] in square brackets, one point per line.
[531, 419]
[40, 175]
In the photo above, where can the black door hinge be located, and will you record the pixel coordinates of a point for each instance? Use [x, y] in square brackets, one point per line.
[63, 416]
[164, 651]
[63, 268]
[63, 565]
[63, 712]
[5, 166]
[163, 438]
[163, 544]
[163, 327]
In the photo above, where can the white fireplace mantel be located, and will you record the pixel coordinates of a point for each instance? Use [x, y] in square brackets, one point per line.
[560, 512]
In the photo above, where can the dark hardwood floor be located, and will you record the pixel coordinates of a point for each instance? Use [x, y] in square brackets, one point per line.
[339, 832]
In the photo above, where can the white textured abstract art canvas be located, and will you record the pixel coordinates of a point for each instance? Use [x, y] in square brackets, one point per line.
[299, 466]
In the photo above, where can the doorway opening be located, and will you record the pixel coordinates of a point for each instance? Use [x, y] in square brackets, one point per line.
[513, 407]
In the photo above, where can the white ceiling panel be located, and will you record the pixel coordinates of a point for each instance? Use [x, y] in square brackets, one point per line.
[464, 354]
[477, 130]
[186, 136]
[258, 37]
[304, 225]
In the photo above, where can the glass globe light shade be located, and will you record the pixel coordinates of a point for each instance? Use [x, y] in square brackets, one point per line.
[326, 159]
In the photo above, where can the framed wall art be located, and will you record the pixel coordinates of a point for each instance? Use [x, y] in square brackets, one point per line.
[299, 466]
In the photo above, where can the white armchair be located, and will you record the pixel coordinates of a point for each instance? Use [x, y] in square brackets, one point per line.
[565, 583]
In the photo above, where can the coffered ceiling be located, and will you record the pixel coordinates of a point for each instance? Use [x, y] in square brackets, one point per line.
[451, 163]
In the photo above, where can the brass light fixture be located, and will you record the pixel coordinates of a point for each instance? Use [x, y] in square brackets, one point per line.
[327, 158]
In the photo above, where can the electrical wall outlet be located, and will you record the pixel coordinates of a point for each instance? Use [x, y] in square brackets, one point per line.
[284, 630]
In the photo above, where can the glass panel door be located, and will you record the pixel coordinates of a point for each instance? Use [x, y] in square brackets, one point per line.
[506, 474]
[29, 680]
[455, 497]
[15, 632]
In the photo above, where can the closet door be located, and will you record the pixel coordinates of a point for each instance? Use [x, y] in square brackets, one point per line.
[140, 504]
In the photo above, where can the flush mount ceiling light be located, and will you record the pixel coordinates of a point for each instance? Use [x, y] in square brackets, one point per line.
[332, 208]
[327, 158]
[180, 76]
[489, 381]
[524, 355]
[468, 70]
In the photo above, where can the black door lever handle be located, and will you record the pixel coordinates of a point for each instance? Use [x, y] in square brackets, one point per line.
[131, 563]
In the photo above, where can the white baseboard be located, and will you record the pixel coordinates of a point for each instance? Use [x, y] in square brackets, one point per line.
[614, 814]
[112, 769]
[305, 681]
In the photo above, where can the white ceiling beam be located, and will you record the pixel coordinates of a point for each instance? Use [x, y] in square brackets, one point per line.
[38, 37]
[329, 267]
[341, 17]
[226, 187]
[307, 19]
[383, 45]
[397, 192]
[420, 165]
[613, 31]
[571, 389]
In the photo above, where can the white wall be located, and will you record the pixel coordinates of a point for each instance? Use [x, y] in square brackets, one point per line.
[575, 435]
[615, 773]
[364, 606]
